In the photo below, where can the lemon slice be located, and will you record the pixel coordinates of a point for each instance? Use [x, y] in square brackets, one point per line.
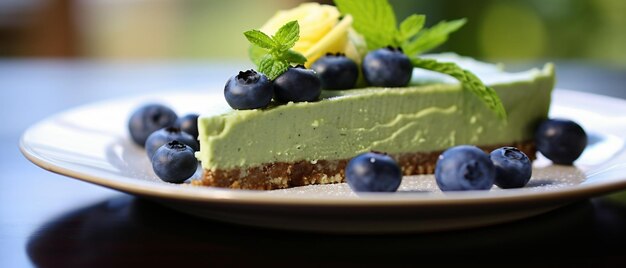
[321, 32]
[334, 41]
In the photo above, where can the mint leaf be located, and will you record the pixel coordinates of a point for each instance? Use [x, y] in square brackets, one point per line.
[374, 19]
[430, 38]
[271, 67]
[469, 81]
[294, 57]
[410, 26]
[272, 55]
[287, 36]
[260, 39]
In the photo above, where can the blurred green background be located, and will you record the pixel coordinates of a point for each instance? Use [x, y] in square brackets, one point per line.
[513, 30]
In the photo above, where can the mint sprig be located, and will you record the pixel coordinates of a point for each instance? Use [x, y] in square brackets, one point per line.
[273, 54]
[376, 21]
[469, 81]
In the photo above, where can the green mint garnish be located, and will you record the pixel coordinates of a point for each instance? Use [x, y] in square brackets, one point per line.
[375, 20]
[273, 54]
[430, 38]
[469, 81]
[410, 27]
[260, 39]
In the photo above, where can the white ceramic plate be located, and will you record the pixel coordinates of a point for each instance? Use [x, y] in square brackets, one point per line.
[91, 143]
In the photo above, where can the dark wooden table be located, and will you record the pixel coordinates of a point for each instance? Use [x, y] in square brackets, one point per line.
[49, 220]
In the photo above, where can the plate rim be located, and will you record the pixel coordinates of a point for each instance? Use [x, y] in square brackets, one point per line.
[251, 197]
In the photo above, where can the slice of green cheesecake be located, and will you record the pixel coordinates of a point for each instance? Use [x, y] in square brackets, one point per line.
[307, 143]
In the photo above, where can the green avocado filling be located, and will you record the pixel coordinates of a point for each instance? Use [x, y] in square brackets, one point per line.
[432, 114]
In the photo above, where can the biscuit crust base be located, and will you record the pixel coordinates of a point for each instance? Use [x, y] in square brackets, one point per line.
[285, 175]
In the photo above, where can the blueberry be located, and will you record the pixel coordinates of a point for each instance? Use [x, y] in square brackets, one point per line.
[188, 124]
[513, 168]
[373, 172]
[463, 168]
[336, 71]
[561, 141]
[248, 90]
[147, 119]
[168, 134]
[174, 162]
[387, 67]
[297, 84]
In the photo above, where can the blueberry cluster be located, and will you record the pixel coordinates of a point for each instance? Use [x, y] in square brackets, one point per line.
[467, 167]
[385, 67]
[252, 90]
[170, 141]
[459, 168]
